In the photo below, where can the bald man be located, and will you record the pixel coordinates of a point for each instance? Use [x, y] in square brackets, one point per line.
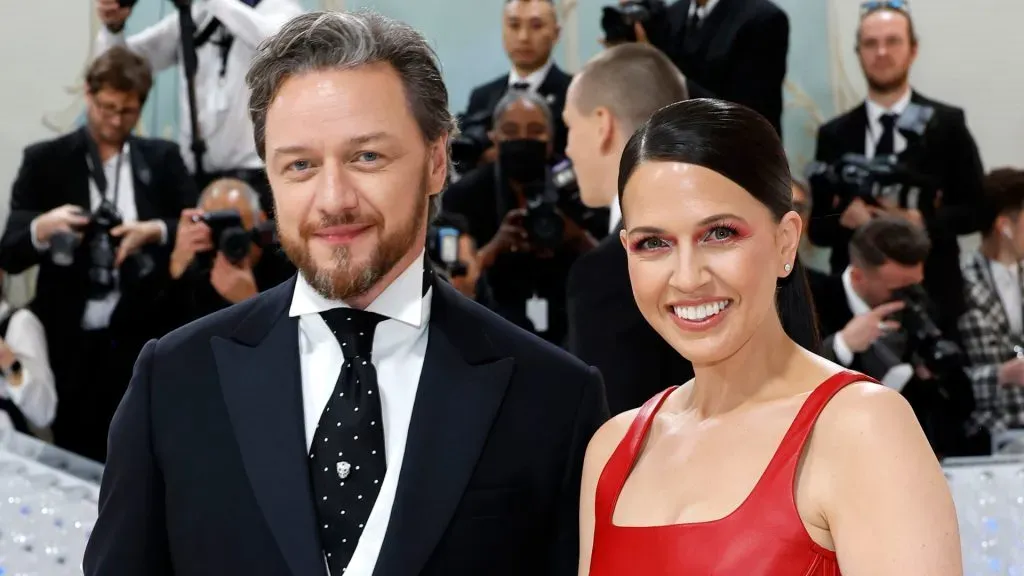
[203, 278]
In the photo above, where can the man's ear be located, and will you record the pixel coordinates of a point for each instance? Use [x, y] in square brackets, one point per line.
[605, 129]
[439, 164]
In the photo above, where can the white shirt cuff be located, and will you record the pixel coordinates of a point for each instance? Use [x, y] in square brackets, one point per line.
[163, 232]
[39, 246]
[17, 393]
[843, 353]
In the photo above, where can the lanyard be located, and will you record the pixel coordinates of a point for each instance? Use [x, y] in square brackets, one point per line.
[97, 171]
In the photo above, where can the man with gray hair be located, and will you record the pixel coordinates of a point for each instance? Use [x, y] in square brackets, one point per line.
[616, 92]
[363, 418]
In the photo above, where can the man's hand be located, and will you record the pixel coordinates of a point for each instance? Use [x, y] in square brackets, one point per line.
[1012, 373]
[858, 213]
[861, 332]
[233, 283]
[63, 219]
[135, 235]
[7, 357]
[192, 238]
[112, 14]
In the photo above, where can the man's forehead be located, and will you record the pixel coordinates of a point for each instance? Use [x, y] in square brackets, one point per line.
[530, 9]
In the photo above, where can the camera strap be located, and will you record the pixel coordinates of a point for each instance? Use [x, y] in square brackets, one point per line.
[224, 42]
[96, 171]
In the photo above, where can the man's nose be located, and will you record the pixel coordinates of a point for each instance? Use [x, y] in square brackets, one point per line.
[337, 192]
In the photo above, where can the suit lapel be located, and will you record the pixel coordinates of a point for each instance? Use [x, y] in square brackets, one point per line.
[986, 295]
[142, 180]
[79, 192]
[460, 391]
[260, 379]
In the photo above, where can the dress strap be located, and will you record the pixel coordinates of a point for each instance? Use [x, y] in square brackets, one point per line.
[620, 464]
[784, 463]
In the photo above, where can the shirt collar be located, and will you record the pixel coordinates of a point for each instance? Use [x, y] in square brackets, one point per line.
[402, 300]
[857, 304]
[702, 12]
[876, 110]
[534, 79]
[614, 216]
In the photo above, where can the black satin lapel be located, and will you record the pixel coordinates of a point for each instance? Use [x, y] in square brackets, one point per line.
[456, 404]
[262, 387]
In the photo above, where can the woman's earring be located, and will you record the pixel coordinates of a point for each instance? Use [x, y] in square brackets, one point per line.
[789, 267]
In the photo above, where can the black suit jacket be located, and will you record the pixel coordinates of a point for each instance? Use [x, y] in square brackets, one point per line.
[951, 158]
[606, 330]
[207, 470]
[54, 173]
[738, 54]
[484, 98]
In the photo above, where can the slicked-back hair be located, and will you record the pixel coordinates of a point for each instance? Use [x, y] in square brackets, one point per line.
[633, 81]
[318, 41]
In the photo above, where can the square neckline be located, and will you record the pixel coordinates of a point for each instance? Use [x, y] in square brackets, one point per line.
[772, 463]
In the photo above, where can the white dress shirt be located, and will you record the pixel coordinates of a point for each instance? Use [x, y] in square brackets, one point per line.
[701, 11]
[36, 396]
[399, 347]
[858, 307]
[120, 177]
[1006, 280]
[222, 101]
[875, 128]
[534, 79]
[614, 216]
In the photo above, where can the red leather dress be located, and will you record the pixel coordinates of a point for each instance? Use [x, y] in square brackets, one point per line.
[763, 537]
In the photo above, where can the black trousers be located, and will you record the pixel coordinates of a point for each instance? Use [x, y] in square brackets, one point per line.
[92, 374]
[255, 177]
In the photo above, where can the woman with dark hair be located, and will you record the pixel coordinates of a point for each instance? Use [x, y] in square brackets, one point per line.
[722, 475]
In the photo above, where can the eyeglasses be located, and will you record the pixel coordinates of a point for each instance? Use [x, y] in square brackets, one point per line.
[110, 110]
[874, 5]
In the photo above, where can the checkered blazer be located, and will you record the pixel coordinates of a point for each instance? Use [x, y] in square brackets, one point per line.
[989, 342]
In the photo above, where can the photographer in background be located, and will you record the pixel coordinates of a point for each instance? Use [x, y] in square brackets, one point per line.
[224, 253]
[734, 50]
[992, 329]
[529, 33]
[227, 34]
[887, 46]
[876, 320]
[614, 93]
[527, 230]
[97, 210]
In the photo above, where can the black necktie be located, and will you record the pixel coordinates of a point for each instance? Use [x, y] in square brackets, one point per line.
[694, 24]
[886, 145]
[521, 86]
[346, 458]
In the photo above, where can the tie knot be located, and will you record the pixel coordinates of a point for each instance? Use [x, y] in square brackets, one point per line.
[354, 330]
[888, 120]
[521, 86]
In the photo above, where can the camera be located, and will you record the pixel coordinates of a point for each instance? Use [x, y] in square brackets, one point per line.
[101, 249]
[618, 21]
[925, 340]
[876, 180]
[443, 243]
[230, 237]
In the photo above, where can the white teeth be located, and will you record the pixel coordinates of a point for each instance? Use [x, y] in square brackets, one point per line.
[702, 312]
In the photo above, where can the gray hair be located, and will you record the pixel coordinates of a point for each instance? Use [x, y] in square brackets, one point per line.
[513, 96]
[343, 41]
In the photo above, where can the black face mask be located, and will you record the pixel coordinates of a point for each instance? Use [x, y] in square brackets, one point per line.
[523, 160]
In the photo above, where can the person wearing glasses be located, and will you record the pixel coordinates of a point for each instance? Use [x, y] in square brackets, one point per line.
[85, 297]
[887, 46]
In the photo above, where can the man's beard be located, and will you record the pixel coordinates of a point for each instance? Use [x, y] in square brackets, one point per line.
[889, 86]
[341, 281]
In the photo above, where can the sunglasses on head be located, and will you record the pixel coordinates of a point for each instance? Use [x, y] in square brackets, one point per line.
[873, 5]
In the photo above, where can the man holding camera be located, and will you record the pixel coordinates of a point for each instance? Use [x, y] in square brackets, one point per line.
[529, 33]
[227, 34]
[528, 231]
[734, 50]
[993, 326]
[606, 329]
[97, 210]
[876, 320]
[944, 153]
[224, 253]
